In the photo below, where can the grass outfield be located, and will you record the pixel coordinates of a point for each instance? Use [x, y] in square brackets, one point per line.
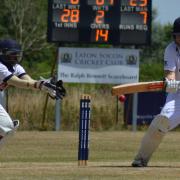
[53, 156]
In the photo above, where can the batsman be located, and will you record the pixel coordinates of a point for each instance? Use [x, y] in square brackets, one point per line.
[13, 74]
[169, 117]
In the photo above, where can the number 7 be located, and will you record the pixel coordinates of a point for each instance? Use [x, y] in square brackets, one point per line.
[144, 13]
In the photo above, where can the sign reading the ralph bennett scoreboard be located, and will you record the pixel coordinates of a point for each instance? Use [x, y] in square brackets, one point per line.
[98, 65]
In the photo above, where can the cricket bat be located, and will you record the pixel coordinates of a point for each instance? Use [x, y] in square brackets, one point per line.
[138, 87]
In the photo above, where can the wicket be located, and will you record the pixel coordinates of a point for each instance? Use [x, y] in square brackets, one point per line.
[84, 123]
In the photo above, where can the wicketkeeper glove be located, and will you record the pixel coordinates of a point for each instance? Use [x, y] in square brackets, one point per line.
[54, 89]
[172, 86]
[60, 90]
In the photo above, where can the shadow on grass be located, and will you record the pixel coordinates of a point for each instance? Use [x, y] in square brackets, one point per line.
[128, 166]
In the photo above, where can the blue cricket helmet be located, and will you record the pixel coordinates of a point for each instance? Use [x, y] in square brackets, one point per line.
[176, 26]
[10, 52]
[9, 45]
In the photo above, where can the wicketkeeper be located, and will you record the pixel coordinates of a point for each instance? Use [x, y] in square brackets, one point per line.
[169, 118]
[12, 73]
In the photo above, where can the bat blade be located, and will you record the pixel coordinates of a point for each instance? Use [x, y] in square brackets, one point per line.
[138, 87]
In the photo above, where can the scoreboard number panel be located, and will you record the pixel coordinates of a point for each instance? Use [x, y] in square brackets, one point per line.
[116, 22]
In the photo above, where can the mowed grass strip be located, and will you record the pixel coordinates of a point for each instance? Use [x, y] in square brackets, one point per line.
[53, 156]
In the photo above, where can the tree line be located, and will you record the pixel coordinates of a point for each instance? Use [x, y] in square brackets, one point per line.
[26, 21]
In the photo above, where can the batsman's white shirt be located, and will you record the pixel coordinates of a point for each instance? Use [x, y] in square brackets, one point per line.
[171, 108]
[6, 124]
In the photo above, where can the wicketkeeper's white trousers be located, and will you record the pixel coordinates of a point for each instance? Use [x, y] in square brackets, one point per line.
[6, 123]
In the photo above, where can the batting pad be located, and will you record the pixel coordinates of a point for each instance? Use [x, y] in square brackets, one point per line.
[149, 143]
[5, 131]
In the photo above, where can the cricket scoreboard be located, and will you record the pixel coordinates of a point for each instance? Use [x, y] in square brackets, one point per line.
[116, 22]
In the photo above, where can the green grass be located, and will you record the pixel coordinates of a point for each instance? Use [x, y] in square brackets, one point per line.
[52, 155]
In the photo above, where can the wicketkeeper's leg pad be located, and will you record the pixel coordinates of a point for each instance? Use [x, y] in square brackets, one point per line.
[5, 133]
[7, 126]
[7, 129]
[151, 140]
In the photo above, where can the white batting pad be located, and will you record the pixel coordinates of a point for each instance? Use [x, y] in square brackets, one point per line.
[150, 143]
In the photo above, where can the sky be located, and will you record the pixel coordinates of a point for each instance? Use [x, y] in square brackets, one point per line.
[168, 10]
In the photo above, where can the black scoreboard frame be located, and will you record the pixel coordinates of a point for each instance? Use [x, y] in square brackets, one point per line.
[116, 22]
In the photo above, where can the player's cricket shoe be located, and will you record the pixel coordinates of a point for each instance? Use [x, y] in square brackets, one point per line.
[16, 124]
[139, 163]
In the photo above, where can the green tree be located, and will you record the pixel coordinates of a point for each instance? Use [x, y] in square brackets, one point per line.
[151, 66]
[26, 22]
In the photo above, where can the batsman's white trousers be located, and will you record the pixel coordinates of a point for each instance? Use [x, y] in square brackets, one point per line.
[171, 109]
[6, 123]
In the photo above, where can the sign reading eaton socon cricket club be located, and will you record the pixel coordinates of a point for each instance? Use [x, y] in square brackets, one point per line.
[98, 65]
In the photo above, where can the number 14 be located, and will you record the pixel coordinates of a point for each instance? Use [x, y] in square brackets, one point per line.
[103, 34]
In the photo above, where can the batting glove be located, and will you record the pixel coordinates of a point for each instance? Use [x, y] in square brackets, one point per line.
[172, 86]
